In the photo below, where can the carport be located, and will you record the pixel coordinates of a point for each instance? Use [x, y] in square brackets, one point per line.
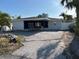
[35, 24]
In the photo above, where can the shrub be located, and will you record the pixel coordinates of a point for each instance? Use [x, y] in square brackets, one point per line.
[76, 30]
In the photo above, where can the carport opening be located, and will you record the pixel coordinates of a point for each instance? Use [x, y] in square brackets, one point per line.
[35, 24]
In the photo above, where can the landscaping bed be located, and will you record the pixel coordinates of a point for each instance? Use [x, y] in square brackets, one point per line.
[6, 47]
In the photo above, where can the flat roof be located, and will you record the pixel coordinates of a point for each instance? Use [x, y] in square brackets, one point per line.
[37, 19]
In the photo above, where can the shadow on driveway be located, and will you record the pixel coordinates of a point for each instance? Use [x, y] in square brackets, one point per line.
[45, 52]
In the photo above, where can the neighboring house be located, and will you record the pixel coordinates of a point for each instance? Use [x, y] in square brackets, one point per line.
[33, 23]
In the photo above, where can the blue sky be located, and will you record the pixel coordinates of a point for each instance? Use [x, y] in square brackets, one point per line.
[26, 8]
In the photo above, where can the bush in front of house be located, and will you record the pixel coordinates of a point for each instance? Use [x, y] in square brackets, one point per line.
[76, 29]
[71, 28]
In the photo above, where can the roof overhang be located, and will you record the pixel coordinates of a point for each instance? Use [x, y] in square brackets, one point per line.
[35, 19]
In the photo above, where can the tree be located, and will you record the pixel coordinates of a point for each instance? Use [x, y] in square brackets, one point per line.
[43, 15]
[73, 4]
[39, 16]
[66, 17]
[19, 17]
[5, 19]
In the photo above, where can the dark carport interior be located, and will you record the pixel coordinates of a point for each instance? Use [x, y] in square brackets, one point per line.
[35, 24]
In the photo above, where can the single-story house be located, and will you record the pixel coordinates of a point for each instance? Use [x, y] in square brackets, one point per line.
[33, 23]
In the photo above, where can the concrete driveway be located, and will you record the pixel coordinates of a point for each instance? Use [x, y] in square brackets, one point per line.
[43, 45]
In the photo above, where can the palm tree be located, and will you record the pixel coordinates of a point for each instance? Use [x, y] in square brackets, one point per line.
[72, 4]
[5, 19]
[66, 17]
[63, 15]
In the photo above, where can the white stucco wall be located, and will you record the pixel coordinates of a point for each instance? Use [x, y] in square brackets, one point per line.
[59, 25]
[54, 25]
[18, 25]
[65, 25]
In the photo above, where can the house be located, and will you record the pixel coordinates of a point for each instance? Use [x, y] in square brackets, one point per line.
[34, 23]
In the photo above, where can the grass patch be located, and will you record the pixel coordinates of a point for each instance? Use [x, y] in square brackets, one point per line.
[8, 48]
